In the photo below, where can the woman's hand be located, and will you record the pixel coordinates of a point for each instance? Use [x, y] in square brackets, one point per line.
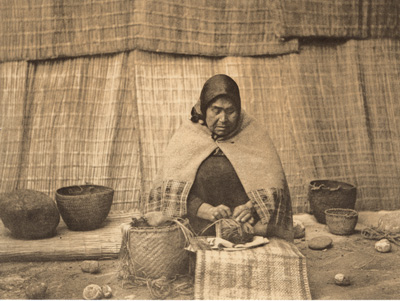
[260, 229]
[244, 213]
[211, 213]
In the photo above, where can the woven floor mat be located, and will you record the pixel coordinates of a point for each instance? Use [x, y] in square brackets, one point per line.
[102, 243]
[271, 272]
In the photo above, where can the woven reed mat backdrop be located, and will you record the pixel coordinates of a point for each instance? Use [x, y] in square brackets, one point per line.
[341, 18]
[332, 111]
[48, 29]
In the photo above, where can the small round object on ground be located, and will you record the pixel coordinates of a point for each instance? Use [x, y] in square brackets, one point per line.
[107, 292]
[92, 292]
[383, 246]
[341, 279]
[36, 290]
[320, 243]
[90, 266]
[299, 229]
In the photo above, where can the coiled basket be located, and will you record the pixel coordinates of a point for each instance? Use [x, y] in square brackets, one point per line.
[84, 207]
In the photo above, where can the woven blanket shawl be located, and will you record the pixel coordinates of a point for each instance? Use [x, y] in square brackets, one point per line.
[253, 157]
[275, 271]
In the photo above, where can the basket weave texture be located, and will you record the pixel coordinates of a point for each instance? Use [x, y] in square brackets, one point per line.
[327, 194]
[341, 221]
[157, 251]
[84, 207]
[275, 271]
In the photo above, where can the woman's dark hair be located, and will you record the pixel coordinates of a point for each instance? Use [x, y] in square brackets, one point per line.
[216, 86]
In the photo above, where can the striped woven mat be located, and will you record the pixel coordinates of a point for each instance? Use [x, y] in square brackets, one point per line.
[102, 243]
[274, 271]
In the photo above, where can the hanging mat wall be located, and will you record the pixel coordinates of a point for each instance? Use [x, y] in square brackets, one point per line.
[331, 112]
[50, 29]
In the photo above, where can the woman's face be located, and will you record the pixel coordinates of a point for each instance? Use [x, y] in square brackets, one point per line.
[222, 116]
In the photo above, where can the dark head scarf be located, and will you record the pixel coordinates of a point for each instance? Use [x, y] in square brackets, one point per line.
[214, 87]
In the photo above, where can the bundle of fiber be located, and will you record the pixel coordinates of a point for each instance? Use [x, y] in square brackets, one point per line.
[275, 271]
[341, 18]
[50, 29]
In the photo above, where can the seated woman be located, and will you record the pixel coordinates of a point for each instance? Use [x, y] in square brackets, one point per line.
[222, 164]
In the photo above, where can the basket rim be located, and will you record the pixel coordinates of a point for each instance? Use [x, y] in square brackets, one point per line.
[166, 228]
[106, 190]
[341, 184]
[342, 212]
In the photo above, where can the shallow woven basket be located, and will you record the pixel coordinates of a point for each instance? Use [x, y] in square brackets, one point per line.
[84, 207]
[341, 221]
[158, 251]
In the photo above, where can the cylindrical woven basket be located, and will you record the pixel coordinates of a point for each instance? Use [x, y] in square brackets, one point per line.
[327, 194]
[158, 251]
[341, 221]
[84, 207]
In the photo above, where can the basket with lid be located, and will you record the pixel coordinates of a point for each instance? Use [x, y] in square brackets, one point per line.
[84, 207]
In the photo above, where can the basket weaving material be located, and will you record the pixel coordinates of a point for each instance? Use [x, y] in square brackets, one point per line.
[155, 252]
[84, 207]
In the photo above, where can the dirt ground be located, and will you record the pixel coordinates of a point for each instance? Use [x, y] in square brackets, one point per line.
[373, 275]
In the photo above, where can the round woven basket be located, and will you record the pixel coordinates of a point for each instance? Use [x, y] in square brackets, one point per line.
[158, 251]
[341, 221]
[84, 207]
[327, 194]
